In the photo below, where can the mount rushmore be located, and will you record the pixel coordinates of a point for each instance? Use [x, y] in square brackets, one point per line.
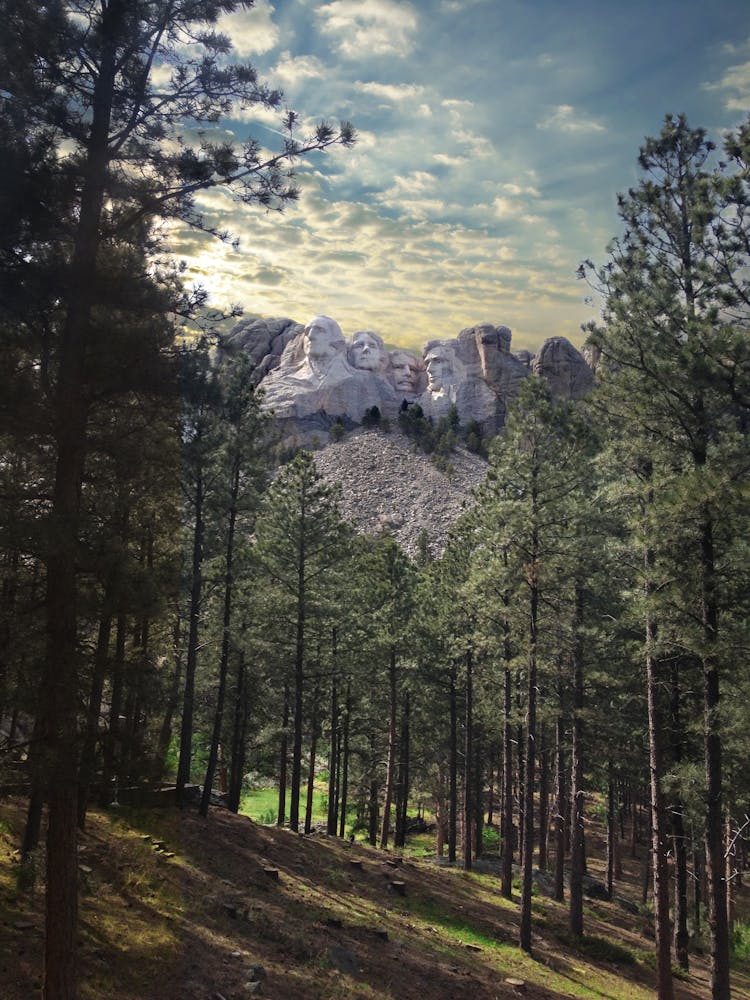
[312, 375]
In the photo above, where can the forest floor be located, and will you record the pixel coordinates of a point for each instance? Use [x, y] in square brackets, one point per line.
[173, 907]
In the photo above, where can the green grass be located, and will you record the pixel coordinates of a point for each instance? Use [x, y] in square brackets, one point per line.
[261, 805]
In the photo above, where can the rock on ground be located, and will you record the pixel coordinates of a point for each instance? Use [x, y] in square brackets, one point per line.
[390, 487]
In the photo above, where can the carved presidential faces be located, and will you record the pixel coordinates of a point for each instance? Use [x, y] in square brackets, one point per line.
[442, 365]
[405, 372]
[367, 352]
[323, 341]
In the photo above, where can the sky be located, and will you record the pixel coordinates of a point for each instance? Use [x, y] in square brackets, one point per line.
[494, 137]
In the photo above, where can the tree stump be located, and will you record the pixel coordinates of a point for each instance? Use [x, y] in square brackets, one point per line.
[399, 887]
[356, 863]
[273, 873]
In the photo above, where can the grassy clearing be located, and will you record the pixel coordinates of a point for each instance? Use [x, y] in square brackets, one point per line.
[262, 804]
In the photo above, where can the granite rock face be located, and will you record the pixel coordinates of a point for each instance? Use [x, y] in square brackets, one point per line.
[564, 367]
[312, 375]
[263, 340]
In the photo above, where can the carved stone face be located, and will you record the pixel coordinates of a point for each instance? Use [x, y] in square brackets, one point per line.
[366, 351]
[323, 341]
[404, 372]
[440, 362]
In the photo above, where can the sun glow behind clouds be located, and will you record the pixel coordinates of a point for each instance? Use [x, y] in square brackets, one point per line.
[492, 144]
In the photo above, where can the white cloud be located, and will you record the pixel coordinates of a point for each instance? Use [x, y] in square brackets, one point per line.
[457, 6]
[252, 31]
[516, 190]
[161, 74]
[258, 114]
[565, 118]
[456, 109]
[449, 161]
[506, 208]
[290, 69]
[418, 182]
[370, 27]
[424, 111]
[480, 146]
[735, 85]
[394, 92]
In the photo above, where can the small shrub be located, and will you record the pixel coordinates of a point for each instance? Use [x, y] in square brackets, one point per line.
[490, 839]
[372, 417]
[337, 431]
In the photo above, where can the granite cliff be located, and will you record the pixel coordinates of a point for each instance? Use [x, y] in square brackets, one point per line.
[313, 378]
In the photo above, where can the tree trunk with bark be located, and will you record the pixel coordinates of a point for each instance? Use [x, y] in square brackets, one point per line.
[452, 765]
[468, 755]
[391, 766]
[226, 637]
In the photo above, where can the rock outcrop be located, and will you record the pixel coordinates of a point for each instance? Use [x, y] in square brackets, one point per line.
[564, 368]
[263, 340]
[312, 376]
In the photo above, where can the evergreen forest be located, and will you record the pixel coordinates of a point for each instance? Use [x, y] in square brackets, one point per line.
[185, 612]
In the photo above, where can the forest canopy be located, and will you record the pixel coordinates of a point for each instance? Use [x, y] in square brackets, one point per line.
[177, 609]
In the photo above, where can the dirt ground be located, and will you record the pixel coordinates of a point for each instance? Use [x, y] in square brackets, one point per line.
[174, 907]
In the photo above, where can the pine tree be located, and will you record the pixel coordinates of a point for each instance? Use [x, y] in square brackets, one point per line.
[676, 369]
[300, 540]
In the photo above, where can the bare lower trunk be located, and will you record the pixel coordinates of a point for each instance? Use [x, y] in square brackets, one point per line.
[577, 835]
[659, 841]
[239, 732]
[332, 755]
[345, 760]
[283, 750]
[611, 830]
[528, 788]
[559, 890]
[403, 776]
[506, 886]
[311, 766]
[452, 768]
[543, 801]
[468, 754]
[391, 767]
[213, 755]
[88, 753]
[188, 696]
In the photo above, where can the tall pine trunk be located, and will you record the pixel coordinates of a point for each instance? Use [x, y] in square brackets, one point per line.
[715, 863]
[577, 835]
[226, 636]
[88, 752]
[468, 755]
[559, 885]
[311, 767]
[452, 765]
[391, 766]
[283, 752]
[239, 733]
[333, 753]
[345, 760]
[659, 841]
[196, 592]
[528, 787]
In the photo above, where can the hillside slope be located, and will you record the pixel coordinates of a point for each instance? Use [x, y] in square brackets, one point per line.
[389, 485]
[177, 908]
